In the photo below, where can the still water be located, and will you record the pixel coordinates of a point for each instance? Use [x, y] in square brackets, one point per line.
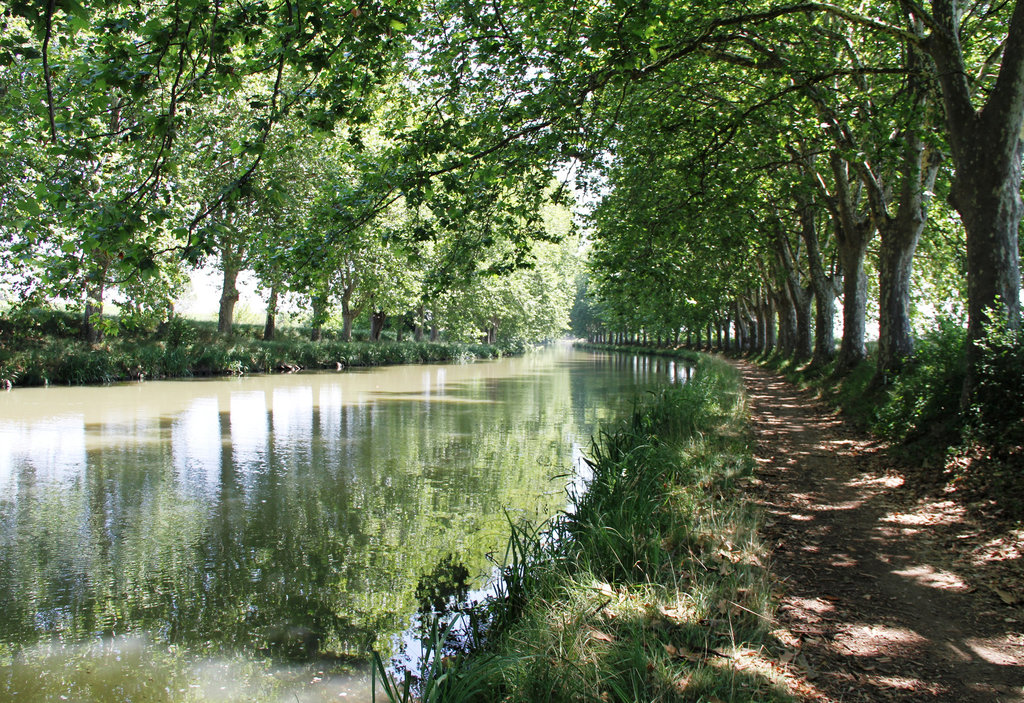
[250, 538]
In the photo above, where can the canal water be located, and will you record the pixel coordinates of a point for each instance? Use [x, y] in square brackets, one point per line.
[249, 538]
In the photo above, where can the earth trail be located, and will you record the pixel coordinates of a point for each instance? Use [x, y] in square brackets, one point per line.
[886, 595]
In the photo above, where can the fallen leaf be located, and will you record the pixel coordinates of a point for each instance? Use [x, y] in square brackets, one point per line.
[672, 613]
[601, 636]
[1006, 597]
[682, 683]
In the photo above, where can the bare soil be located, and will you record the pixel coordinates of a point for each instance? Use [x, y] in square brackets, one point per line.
[889, 591]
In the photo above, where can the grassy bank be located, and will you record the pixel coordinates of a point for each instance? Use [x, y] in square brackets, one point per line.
[652, 587]
[46, 349]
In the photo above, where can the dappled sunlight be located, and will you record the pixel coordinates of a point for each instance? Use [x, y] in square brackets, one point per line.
[819, 606]
[885, 481]
[904, 683]
[944, 513]
[991, 651]
[843, 561]
[873, 606]
[930, 577]
[879, 640]
[844, 505]
[1000, 549]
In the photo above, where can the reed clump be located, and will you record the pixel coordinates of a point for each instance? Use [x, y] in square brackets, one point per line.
[653, 585]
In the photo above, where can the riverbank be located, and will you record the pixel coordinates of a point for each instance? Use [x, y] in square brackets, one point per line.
[653, 586]
[49, 352]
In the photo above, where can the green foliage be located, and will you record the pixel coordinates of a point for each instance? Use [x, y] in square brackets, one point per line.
[996, 413]
[923, 404]
[442, 679]
[186, 348]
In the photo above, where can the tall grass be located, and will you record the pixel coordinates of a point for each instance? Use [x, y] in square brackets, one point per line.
[652, 586]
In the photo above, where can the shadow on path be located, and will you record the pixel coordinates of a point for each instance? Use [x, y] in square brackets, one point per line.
[874, 599]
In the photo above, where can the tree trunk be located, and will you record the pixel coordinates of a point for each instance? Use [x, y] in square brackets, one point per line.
[853, 234]
[822, 285]
[319, 305]
[770, 337]
[96, 286]
[798, 301]
[787, 321]
[348, 315]
[741, 328]
[900, 236]
[803, 298]
[986, 150]
[270, 326]
[377, 320]
[228, 293]
[418, 329]
[758, 321]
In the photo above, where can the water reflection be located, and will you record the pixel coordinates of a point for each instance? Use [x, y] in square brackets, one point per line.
[284, 516]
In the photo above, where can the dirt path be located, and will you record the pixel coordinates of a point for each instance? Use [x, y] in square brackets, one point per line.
[887, 595]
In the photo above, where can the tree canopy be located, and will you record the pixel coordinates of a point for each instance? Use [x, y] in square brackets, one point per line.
[755, 165]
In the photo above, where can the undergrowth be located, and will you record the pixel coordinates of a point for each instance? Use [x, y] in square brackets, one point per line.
[652, 586]
[42, 349]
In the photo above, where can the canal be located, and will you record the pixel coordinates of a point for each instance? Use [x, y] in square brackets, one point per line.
[250, 538]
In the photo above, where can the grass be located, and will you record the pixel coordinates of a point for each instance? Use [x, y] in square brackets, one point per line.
[44, 349]
[653, 585]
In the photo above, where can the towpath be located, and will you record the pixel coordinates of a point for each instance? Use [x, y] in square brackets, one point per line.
[887, 593]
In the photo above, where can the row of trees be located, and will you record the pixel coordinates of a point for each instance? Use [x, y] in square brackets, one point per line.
[754, 161]
[777, 156]
[141, 142]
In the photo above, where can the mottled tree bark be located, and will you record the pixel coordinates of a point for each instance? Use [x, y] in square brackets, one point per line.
[228, 293]
[986, 149]
[770, 328]
[854, 231]
[823, 286]
[319, 305]
[798, 299]
[377, 320]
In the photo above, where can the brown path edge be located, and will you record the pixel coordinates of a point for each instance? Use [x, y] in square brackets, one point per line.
[884, 594]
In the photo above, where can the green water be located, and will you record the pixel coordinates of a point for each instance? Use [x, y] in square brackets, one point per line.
[250, 538]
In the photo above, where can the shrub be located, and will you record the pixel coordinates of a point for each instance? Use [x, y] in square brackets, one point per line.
[996, 414]
[924, 401]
